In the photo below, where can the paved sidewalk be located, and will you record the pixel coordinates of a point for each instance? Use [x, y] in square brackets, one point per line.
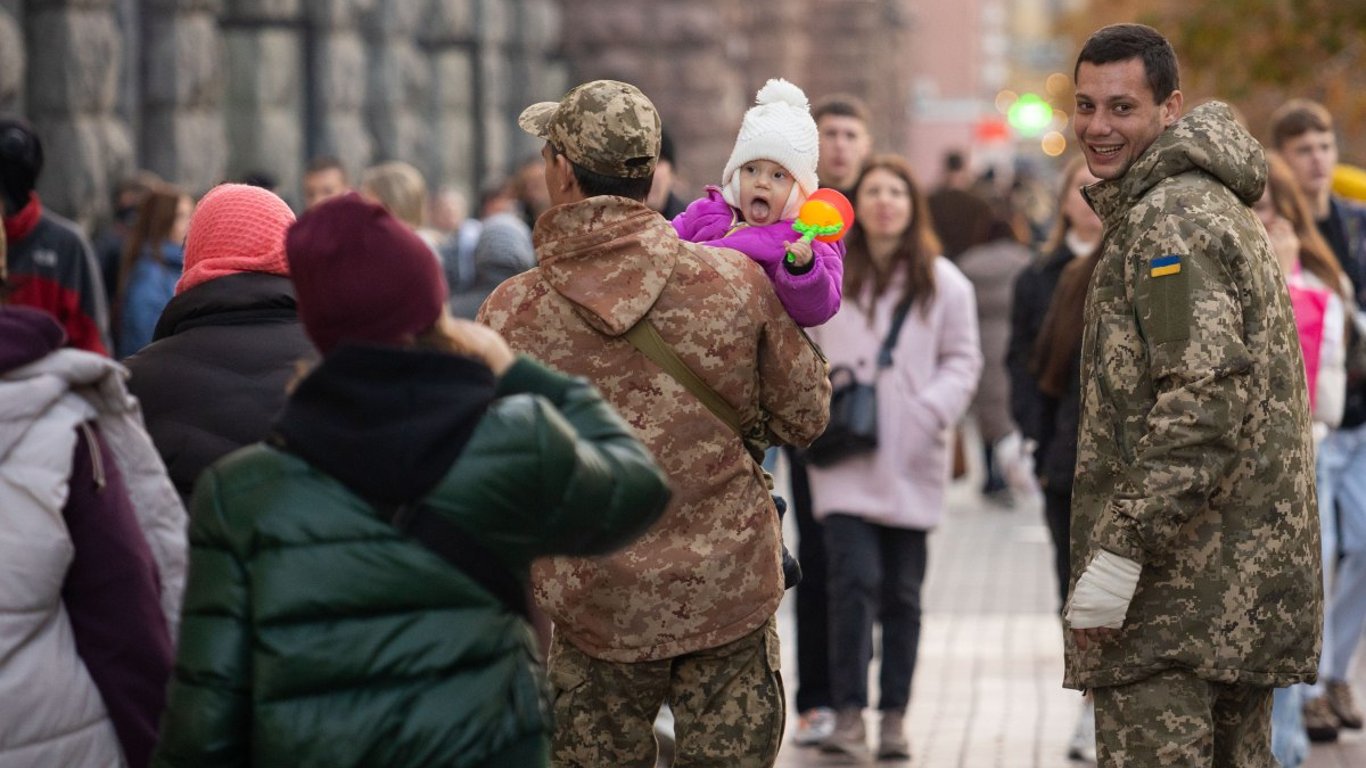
[987, 690]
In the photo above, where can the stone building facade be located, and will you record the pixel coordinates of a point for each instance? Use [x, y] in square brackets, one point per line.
[205, 90]
[200, 91]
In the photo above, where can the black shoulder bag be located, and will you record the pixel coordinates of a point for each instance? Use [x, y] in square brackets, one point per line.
[852, 429]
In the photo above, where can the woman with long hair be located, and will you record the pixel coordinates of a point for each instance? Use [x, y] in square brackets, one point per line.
[1051, 354]
[153, 257]
[1320, 293]
[877, 507]
[1051, 391]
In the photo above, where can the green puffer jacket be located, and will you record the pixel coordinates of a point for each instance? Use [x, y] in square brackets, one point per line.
[315, 634]
[1193, 454]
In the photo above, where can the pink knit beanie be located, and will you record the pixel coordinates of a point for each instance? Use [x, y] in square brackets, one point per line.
[235, 228]
[362, 275]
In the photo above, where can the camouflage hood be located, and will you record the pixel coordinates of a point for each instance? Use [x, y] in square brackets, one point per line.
[1208, 139]
[599, 254]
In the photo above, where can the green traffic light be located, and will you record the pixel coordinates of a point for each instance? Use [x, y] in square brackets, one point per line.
[1030, 115]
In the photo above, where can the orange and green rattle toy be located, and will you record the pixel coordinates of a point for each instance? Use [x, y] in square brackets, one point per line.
[825, 216]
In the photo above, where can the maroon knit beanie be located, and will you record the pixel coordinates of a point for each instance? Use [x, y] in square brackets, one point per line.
[361, 275]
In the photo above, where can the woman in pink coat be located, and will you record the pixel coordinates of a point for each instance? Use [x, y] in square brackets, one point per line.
[878, 507]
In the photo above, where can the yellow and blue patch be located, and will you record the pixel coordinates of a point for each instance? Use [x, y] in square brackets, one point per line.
[1165, 265]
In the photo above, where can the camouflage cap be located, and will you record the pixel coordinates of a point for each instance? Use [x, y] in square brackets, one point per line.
[606, 126]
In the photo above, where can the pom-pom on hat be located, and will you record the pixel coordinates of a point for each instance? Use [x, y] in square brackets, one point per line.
[235, 228]
[361, 275]
[778, 128]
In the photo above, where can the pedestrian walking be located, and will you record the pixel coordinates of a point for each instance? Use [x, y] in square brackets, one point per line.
[51, 264]
[1194, 502]
[877, 508]
[92, 555]
[1302, 132]
[842, 121]
[153, 258]
[229, 341]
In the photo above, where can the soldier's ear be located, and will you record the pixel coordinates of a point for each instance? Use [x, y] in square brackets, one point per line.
[1171, 108]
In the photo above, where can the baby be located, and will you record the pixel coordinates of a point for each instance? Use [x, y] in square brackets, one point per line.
[771, 172]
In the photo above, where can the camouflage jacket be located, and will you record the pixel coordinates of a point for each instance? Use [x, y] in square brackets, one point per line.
[708, 572]
[1194, 454]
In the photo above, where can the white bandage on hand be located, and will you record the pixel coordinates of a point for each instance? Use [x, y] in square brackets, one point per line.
[1102, 595]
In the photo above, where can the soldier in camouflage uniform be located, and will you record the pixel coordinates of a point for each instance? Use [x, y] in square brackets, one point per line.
[686, 614]
[1194, 537]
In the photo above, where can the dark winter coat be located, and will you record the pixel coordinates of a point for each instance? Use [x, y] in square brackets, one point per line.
[316, 634]
[214, 378]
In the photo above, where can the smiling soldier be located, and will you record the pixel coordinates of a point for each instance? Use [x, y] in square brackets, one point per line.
[1196, 576]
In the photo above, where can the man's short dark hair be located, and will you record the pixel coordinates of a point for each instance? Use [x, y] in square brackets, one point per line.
[592, 184]
[841, 105]
[324, 163]
[1121, 42]
[1297, 117]
[666, 147]
[21, 162]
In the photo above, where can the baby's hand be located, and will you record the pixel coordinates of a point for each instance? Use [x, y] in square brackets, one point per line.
[798, 254]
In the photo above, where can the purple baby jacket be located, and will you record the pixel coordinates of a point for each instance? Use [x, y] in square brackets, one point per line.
[810, 298]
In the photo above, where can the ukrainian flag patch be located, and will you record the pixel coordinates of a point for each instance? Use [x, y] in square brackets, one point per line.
[1165, 265]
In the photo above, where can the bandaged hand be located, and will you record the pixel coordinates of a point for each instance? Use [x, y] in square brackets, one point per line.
[1102, 595]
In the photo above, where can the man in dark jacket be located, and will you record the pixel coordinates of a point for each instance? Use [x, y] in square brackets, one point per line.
[214, 377]
[51, 265]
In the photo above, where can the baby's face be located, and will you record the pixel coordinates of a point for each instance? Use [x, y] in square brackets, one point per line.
[764, 189]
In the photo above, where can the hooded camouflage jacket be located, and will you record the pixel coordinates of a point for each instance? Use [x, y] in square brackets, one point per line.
[708, 572]
[1194, 454]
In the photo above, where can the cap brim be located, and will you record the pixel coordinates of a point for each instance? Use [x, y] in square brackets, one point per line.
[535, 119]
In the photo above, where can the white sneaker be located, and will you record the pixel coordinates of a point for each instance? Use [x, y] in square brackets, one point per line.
[1083, 744]
[814, 726]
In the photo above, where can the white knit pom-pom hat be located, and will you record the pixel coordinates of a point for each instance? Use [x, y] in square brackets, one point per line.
[778, 128]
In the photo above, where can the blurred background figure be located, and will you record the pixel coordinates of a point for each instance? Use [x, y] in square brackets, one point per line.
[960, 218]
[51, 265]
[1045, 365]
[153, 257]
[878, 508]
[109, 240]
[992, 266]
[663, 195]
[400, 188]
[213, 379]
[457, 233]
[92, 555]
[324, 178]
[504, 250]
[1303, 133]
[842, 124]
[528, 188]
[1319, 294]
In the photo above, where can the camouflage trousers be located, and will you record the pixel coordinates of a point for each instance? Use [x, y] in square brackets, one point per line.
[728, 705]
[1176, 719]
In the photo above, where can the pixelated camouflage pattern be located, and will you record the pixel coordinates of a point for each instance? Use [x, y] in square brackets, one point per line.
[606, 126]
[1194, 454]
[1176, 719]
[708, 572]
[728, 705]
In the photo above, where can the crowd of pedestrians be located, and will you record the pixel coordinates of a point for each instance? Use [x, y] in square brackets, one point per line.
[389, 481]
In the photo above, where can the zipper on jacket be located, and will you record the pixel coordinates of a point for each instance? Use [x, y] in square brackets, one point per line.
[96, 460]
